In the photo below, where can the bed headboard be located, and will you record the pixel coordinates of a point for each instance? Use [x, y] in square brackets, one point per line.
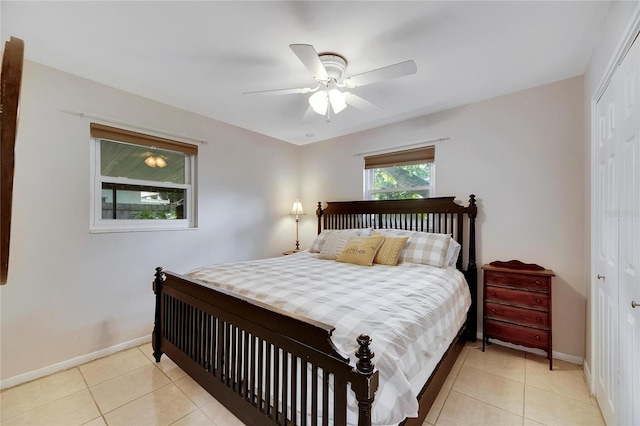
[438, 215]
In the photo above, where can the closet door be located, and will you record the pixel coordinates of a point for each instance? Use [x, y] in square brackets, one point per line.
[629, 235]
[606, 191]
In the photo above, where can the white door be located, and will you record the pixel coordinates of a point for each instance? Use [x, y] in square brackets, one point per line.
[629, 253]
[606, 241]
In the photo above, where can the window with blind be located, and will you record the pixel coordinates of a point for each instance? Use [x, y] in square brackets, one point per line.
[400, 174]
[141, 182]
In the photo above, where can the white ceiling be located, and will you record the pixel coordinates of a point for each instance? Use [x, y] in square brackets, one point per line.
[201, 56]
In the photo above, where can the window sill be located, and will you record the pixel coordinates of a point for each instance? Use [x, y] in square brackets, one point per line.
[147, 226]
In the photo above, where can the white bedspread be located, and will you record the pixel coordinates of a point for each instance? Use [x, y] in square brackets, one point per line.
[410, 311]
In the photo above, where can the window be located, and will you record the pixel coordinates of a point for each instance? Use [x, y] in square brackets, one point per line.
[401, 174]
[141, 182]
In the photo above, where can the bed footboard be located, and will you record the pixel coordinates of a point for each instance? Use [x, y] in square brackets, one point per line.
[263, 364]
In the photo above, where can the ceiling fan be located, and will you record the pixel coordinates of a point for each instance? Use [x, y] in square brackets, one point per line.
[328, 69]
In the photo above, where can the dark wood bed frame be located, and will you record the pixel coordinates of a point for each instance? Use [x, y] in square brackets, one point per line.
[234, 346]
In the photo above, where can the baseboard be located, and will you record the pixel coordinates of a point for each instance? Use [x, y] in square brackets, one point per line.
[556, 355]
[73, 362]
[587, 376]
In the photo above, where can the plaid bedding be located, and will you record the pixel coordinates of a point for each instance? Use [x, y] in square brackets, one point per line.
[411, 311]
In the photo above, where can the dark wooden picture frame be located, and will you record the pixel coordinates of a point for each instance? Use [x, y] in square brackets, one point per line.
[11, 80]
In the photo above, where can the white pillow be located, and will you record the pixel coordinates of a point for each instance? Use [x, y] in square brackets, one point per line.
[452, 253]
[317, 244]
[422, 247]
[316, 247]
[336, 241]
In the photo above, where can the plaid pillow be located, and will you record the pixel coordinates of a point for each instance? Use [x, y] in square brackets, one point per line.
[423, 247]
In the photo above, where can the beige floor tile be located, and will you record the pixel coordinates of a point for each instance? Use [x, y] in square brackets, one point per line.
[566, 379]
[197, 418]
[498, 360]
[495, 390]
[125, 388]
[160, 407]
[460, 409]
[194, 391]
[552, 409]
[529, 422]
[96, 422]
[26, 397]
[459, 362]
[438, 403]
[75, 409]
[103, 369]
[220, 415]
[166, 365]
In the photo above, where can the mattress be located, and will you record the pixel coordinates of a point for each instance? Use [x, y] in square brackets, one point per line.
[411, 311]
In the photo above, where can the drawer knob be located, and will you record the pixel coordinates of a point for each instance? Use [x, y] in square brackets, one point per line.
[493, 293]
[537, 337]
[538, 283]
[538, 300]
[493, 310]
[538, 319]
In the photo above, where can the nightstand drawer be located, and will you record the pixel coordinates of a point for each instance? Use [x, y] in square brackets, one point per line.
[517, 315]
[530, 337]
[525, 299]
[529, 282]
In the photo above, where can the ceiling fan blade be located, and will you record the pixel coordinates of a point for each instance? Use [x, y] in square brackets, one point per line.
[281, 91]
[309, 57]
[385, 73]
[360, 103]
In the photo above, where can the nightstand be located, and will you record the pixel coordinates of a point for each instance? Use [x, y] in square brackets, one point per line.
[517, 305]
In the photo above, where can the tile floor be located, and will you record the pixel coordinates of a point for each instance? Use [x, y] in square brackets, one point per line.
[498, 387]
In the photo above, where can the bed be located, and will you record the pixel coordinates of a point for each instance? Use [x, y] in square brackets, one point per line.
[270, 362]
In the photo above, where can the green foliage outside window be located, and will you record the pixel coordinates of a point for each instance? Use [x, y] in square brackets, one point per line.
[412, 181]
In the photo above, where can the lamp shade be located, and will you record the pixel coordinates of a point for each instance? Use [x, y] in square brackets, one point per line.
[319, 102]
[336, 98]
[297, 208]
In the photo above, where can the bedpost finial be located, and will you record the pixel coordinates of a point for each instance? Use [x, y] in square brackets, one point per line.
[364, 355]
[159, 274]
[472, 199]
[160, 277]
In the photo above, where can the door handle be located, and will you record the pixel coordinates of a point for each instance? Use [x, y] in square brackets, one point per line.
[600, 277]
[634, 304]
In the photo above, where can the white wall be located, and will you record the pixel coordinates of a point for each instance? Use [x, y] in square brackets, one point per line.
[616, 27]
[522, 154]
[71, 293]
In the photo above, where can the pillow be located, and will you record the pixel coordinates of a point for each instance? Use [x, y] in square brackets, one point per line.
[423, 247]
[320, 240]
[336, 241]
[389, 252]
[361, 250]
[452, 253]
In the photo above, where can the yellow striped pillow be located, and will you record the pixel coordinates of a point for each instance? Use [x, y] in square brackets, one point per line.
[390, 251]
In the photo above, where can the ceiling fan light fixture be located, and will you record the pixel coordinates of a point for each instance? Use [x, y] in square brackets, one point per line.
[337, 100]
[319, 102]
